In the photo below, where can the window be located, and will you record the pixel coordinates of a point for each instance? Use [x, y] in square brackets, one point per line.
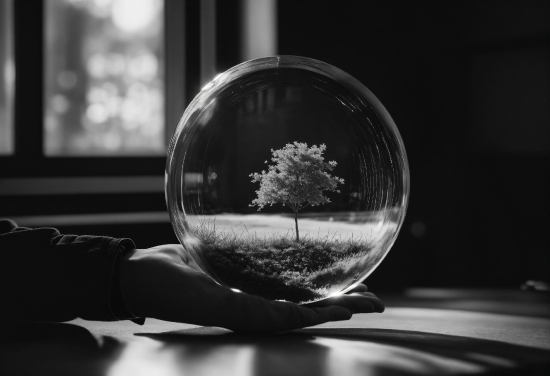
[104, 77]
[7, 73]
[98, 93]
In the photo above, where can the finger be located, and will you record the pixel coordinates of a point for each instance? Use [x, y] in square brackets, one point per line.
[366, 293]
[355, 302]
[333, 313]
[300, 317]
[335, 299]
[359, 288]
[373, 299]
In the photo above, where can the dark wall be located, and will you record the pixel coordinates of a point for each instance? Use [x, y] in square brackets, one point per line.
[467, 85]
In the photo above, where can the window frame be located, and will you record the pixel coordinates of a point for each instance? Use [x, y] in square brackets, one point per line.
[182, 45]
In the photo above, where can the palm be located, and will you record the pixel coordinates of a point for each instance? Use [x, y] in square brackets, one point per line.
[165, 283]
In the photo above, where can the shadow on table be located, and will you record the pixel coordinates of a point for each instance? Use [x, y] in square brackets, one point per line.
[54, 349]
[447, 352]
[217, 351]
[347, 352]
[65, 349]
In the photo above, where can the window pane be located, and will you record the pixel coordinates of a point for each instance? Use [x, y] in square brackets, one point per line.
[104, 77]
[7, 75]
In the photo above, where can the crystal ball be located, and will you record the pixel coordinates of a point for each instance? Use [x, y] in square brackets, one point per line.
[288, 179]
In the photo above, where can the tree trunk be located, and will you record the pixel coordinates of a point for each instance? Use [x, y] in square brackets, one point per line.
[296, 222]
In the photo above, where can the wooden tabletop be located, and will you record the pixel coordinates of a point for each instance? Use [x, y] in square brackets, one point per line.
[404, 340]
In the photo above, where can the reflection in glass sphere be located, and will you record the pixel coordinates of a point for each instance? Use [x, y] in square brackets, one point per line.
[287, 179]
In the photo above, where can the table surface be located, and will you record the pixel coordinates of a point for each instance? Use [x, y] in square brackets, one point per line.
[427, 332]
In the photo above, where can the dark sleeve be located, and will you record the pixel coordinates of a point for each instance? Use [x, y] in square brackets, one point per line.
[46, 276]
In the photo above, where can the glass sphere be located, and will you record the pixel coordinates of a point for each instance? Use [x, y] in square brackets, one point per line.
[287, 178]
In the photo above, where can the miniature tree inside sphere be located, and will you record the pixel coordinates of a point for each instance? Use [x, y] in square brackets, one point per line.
[297, 180]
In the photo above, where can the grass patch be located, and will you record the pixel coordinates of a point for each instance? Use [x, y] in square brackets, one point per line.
[279, 268]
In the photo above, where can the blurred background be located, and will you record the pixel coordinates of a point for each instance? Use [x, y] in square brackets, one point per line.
[91, 91]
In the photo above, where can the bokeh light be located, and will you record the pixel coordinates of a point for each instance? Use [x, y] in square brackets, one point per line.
[104, 77]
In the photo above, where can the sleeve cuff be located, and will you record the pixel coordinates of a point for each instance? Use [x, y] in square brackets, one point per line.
[117, 304]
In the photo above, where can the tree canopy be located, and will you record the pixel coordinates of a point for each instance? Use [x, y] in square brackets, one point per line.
[297, 179]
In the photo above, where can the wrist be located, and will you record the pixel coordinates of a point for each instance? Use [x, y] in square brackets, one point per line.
[129, 283]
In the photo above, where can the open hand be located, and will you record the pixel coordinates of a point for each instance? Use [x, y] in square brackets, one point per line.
[164, 282]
